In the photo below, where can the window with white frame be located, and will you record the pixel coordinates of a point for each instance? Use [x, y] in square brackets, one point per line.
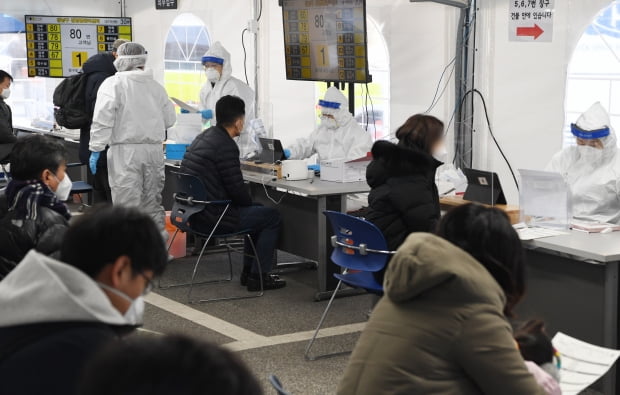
[31, 97]
[594, 70]
[186, 43]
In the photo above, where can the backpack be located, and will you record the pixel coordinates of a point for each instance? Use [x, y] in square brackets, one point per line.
[70, 102]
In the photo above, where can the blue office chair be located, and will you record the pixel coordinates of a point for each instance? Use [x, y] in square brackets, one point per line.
[360, 250]
[191, 198]
[277, 385]
[80, 187]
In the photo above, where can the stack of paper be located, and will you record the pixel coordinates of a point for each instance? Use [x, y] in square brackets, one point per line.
[532, 233]
[582, 363]
[594, 227]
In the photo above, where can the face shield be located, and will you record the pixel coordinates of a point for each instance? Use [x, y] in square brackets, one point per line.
[213, 68]
[328, 113]
[589, 143]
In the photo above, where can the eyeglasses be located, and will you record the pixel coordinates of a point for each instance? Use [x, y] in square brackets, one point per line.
[149, 284]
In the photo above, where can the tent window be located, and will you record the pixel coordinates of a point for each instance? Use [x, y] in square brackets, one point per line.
[186, 42]
[594, 70]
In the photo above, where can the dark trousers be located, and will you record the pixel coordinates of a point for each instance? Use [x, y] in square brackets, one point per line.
[101, 185]
[263, 224]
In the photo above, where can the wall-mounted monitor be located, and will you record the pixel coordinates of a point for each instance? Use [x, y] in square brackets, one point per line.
[325, 40]
[58, 46]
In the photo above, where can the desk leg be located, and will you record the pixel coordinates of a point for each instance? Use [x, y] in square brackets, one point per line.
[610, 322]
[326, 268]
[322, 247]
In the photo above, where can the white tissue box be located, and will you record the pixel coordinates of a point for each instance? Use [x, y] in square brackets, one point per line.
[340, 170]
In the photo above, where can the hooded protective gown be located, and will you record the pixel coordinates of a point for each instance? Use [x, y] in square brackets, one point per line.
[594, 181]
[53, 318]
[347, 141]
[229, 85]
[132, 114]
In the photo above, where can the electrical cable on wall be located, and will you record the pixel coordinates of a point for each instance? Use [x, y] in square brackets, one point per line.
[486, 114]
[372, 111]
[436, 99]
[245, 56]
[260, 11]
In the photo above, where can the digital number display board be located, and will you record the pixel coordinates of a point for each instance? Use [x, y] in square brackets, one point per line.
[325, 40]
[58, 46]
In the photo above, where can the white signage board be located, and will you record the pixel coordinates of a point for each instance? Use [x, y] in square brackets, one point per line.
[531, 20]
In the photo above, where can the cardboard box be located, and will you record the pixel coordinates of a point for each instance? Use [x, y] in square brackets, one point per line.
[340, 170]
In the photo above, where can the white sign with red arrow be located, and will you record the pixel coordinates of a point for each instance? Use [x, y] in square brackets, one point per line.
[531, 20]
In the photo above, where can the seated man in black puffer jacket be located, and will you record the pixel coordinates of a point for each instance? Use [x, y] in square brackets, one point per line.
[36, 215]
[214, 157]
[403, 198]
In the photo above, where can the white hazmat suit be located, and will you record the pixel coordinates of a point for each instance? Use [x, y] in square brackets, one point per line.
[338, 138]
[132, 113]
[229, 85]
[593, 174]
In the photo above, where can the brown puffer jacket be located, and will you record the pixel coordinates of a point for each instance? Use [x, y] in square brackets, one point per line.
[439, 329]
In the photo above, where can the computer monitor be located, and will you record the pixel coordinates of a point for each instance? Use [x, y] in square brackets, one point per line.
[272, 150]
[483, 187]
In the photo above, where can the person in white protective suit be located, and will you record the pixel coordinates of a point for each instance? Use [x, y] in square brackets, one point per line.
[338, 136]
[220, 82]
[132, 113]
[592, 167]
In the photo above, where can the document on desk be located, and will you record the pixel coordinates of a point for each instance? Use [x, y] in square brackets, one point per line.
[582, 363]
[532, 233]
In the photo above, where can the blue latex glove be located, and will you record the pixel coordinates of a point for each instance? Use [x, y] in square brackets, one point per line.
[314, 167]
[287, 153]
[92, 161]
[184, 111]
[207, 114]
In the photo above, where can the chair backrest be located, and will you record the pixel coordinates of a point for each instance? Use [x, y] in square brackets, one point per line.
[358, 244]
[189, 199]
[5, 152]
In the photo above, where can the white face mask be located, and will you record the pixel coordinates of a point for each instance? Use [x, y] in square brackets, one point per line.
[329, 123]
[213, 75]
[6, 93]
[589, 154]
[441, 153]
[64, 188]
[135, 313]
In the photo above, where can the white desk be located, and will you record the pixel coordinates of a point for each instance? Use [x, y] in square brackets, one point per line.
[305, 231]
[573, 285]
[67, 134]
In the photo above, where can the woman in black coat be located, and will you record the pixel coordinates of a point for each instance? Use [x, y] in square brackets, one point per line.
[403, 197]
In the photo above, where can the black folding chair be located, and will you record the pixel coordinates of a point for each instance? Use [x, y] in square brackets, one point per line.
[192, 198]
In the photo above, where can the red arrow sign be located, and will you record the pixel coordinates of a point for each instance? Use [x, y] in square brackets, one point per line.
[535, 31]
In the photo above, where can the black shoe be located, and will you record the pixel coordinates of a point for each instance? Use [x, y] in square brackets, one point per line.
[244, 278]
[270, 281]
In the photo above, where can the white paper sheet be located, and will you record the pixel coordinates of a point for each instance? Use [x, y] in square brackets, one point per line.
[582, 363]
[531, 233]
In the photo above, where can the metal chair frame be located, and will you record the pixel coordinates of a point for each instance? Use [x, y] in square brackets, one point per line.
[363, 250]
[80, 191]
[196, 206]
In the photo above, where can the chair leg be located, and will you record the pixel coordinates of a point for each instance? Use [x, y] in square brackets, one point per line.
[230, 267]
[260, 293]
[307, 355]
[174, 236]
[191, 283]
